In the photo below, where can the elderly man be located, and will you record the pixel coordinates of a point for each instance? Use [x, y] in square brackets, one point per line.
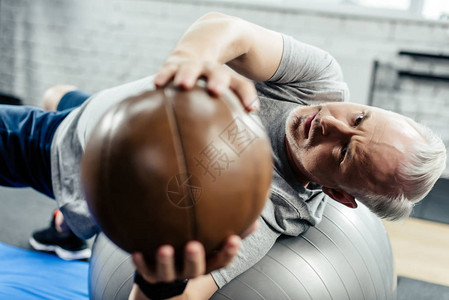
[321, 146]
[383, 159]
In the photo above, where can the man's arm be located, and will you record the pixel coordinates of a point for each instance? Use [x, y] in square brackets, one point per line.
[216, 39]
[251, 50]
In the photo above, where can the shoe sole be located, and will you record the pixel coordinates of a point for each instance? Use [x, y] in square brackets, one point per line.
[61, 252]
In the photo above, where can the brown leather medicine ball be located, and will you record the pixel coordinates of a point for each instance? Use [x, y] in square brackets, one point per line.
[170, 165]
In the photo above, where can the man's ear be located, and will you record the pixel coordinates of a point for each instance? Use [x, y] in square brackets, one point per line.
[340, 196]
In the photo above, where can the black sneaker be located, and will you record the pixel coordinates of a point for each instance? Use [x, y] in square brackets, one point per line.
[66, 245]
[9, 99]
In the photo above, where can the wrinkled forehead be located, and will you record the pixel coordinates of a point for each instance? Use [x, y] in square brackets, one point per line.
[375, 167]
[380, 150]
[390, 126]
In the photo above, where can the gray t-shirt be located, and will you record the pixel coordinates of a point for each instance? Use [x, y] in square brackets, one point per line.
[305, 75]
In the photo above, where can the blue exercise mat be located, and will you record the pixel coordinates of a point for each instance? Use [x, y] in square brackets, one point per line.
[31, 275]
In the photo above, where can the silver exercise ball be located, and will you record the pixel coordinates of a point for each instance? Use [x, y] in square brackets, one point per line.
[347, 256]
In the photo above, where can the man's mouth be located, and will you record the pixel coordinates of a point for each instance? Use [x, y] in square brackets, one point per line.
[308, 125]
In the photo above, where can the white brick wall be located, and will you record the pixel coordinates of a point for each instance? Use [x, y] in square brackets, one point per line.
[102, 43]
[95, 44]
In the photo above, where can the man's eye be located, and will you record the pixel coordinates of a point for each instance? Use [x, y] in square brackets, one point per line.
[358, 120]
[343, 153]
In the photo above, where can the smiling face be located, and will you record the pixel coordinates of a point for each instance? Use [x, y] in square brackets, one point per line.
[347, 146]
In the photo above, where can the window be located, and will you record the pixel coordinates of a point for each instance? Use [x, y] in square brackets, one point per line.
[389, 4]
[429, 9]
[436, 9]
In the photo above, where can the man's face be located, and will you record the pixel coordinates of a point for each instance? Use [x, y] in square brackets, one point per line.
[349, 146]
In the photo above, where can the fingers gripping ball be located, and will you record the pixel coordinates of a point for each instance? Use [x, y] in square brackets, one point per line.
[170, 165]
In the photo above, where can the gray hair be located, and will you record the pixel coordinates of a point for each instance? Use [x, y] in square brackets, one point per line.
[416, 177]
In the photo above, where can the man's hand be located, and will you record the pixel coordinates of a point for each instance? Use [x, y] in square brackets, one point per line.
[195, 265]
[185, 72]
[194, 261]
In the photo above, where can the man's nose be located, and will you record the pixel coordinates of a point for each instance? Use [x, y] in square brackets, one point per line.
[332, 126]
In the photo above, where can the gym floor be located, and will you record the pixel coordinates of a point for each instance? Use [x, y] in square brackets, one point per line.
[420, 244]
